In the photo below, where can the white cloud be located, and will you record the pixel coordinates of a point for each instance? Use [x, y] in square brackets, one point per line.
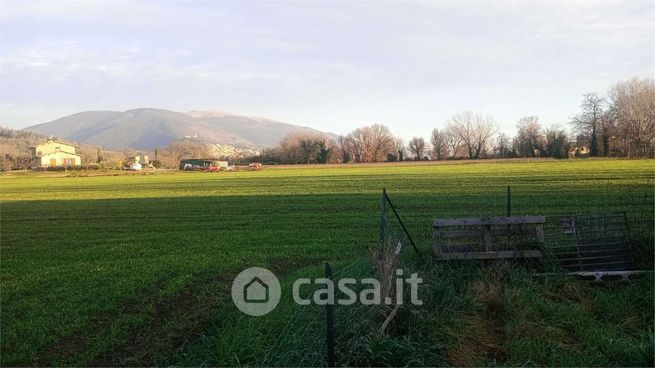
[333, 66]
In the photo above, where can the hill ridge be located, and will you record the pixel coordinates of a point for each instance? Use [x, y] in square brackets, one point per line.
[148, 128]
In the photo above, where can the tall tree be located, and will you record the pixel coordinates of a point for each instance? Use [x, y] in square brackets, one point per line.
[588, 122]
[378, 142]
[417, 147]
[502, 146]
[369, 144]
[474, 131]
[344, 150]
[529, 139]
[399, 149]
[453, 141]
[305, 148]
[309, 149]
[556, 142]
[355, 145]
[324, 152]
[439, 143]
[99, 158]
[632, 106]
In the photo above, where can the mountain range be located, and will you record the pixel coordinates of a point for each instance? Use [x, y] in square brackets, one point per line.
[148, 128]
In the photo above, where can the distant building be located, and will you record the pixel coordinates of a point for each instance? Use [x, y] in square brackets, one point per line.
[137, 162]
[55, 154]
[135, 166]
[140, 158]
[198, 164]
[579, 151]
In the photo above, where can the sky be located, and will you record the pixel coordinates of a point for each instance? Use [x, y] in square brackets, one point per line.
[333, 66]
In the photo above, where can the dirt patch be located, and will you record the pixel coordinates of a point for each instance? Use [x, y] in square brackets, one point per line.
[477, 343]
[483, 336]
[572, 291]
[63, 348]
[491, 295]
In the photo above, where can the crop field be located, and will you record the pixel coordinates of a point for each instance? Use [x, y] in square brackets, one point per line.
[136, 269]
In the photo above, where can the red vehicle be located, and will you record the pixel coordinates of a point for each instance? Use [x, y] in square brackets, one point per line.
[212, 168]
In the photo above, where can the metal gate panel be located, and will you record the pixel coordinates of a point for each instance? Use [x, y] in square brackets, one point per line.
[590, 242]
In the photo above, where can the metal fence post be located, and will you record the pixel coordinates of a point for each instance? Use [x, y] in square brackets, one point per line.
[383, 218]
[509, 201]
[329, 325]
[409, 237]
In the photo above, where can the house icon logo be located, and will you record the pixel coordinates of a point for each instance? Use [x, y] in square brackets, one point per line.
[256, 291]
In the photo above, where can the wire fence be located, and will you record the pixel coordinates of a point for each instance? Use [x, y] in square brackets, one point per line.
[303, 341]
[581, 232]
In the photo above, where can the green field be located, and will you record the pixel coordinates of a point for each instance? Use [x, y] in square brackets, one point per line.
[136, 269]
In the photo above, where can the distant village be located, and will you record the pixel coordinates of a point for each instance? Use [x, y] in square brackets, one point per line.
[22, 150]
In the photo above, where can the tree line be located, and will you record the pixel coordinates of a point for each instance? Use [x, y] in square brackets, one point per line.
[619, 124]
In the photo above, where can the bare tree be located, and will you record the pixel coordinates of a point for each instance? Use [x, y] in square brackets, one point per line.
[355, 145]
[453, 141]
[344, 152]
[417, 147]
[608, 133]
[529, 140]
[632, 106]
[181, 149]
[588, 122]
[399, 149]
[369, 144]
[8, 158]
[439, 142]
[379, 142]
[306, 148]
[503, 145]
[474, 131]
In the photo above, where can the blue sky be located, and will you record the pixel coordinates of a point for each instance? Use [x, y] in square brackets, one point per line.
[333, 66]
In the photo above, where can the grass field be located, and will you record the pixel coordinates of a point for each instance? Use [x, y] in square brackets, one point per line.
[136, 269]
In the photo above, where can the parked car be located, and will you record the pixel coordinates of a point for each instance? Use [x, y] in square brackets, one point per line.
[212, 168]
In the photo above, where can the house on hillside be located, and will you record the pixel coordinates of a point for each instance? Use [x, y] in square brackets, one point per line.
[55, 154]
